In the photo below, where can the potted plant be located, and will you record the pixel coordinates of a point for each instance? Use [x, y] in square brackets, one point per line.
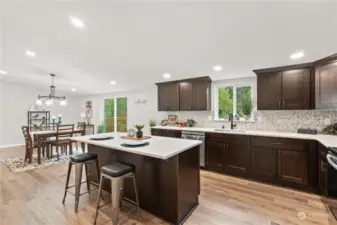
[247, 106]
[139, 128]
[100, 128]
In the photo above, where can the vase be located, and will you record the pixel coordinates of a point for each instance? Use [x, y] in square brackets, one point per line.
[139, 134]
[246, 117]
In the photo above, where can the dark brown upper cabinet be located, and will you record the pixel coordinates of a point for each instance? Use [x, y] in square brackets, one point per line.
[185, 95]
[269, 91]
[326, 82]
[285, 88]
[168, 97]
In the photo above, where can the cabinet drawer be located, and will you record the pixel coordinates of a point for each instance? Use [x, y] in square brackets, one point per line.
[279, 143]
[232, 139]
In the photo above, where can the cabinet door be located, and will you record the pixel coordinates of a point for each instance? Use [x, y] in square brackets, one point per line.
[156, 132]
[200, 96]
[215, 160]
[293, 166]
[238, 157]
[171, 133]
[269, 91]
[163, 97]
[296, 89]
[326, 86]
[173, 89]
[264, 162]
[186, 96]
[322, 170]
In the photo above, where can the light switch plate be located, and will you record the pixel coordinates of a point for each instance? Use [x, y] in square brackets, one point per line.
[259, 119]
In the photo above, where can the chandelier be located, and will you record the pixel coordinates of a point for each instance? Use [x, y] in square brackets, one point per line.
[49, 99]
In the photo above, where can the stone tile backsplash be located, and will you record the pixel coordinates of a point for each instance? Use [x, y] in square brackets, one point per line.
[288, 121]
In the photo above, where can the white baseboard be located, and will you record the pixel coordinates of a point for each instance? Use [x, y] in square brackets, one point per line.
[9, 146]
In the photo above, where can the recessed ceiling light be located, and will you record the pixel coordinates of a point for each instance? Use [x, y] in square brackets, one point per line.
[73, 89]
[217, 68]
[3, 72]
[167, 75]
[76, 22]
[30, 53]
[297, 55]
[112, 82]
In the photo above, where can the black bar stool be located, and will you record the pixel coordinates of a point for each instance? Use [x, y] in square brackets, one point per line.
[79, 160]
[117, 172]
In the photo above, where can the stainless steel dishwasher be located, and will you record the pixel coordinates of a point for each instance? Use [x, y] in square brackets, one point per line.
[200, 136]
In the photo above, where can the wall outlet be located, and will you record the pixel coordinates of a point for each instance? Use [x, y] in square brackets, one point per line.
[259, 119]
[327, 121]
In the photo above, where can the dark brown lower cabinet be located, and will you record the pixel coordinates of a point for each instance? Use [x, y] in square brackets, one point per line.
[293, 166]
[166, 133]
[322, 170]
[263, 162]
[156, 132]
[238, 158]
[171, 133]
[216, 156]
[280, 161]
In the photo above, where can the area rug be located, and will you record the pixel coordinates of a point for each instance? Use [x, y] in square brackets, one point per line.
[17, 165]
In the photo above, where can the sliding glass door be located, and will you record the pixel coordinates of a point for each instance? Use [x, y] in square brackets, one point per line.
[109, 114]
[115, 114]
[122, 113]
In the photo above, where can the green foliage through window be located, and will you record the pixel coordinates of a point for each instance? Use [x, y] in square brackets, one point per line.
[225, 104]
[121, 113]
[234, 100]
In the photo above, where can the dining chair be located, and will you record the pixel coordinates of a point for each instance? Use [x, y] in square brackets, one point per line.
[30, 144]
[80, 126]
[62, 141]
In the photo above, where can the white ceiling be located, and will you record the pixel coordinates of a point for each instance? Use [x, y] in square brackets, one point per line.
[134, 43]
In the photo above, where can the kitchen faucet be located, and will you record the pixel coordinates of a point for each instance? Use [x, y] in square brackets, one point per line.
[231, 118]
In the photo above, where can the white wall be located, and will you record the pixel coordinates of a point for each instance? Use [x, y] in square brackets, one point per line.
[137, 114]
[16, 100]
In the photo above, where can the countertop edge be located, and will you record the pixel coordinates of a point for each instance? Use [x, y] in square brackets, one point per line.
[101, 144]
[318, 137]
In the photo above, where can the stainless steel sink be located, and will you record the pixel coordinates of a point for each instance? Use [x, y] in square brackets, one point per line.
[229, 130]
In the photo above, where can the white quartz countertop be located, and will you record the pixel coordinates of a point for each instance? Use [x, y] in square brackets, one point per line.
[159, 147]
[326, 140]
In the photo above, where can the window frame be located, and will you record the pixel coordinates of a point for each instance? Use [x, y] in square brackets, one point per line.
[234, 86]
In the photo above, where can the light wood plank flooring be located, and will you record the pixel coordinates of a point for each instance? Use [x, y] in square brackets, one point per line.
[34, 198]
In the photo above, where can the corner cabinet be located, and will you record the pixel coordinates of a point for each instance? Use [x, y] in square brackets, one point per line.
[185, 95]
[290, 89]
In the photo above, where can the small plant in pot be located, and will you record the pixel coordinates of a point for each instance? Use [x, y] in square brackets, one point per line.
[139, 132]
[247, 106]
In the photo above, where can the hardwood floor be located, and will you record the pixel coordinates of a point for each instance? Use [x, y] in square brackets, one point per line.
[34, 198]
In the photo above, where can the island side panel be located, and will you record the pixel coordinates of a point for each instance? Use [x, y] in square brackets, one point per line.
[188, 182]
[157, 181]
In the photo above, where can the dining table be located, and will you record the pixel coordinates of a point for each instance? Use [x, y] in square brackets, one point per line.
[40, 135]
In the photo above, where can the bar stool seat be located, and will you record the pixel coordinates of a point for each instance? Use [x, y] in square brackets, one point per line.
[117, 169]
[79, 161]
[116, 172]
[79, 158]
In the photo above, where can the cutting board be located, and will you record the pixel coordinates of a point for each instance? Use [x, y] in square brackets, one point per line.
[135, 138]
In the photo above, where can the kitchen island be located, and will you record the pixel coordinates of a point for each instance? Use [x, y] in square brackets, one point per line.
[167, 172]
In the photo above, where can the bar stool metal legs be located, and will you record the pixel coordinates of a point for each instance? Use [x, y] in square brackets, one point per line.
[116, 187]
[78, 177]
